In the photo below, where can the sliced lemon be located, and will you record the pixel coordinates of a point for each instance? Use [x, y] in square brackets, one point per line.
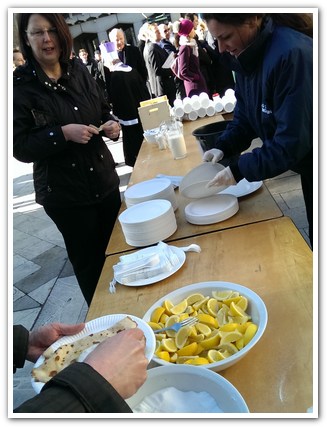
[242, 327]
[250, 332]
[182, 336]
[208, 320]
[168, 344]
[197, 361]
[229, 327]
[188, 350]
[241, 320]
[230, 300]
[193, 332]
[194, 298]
[232, 336]
[156, 314]
[167, 304]
[154, 326]
[179, 308]
[197, 338]
[189, 309]
[222, 295]
[182, 359]
[203, 329]
[236, 310]
[163, 318]
[215, 356]
[213, 306]
[199, 350]
[211, 341]
[243, 303]
[173, 358]
[183, 316]
[231, 348]
[240, 343]
[222, 315]
[159, 337]
[200, 303]
[170, 321]
[164, 355]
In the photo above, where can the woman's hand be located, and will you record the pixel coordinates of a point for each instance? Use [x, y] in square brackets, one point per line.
[111, 129]
[40, 339]
[79, 133]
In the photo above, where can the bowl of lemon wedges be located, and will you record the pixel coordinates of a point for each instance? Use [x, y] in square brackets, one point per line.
[231, 319]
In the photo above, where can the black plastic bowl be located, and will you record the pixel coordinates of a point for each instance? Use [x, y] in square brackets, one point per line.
[207, 135]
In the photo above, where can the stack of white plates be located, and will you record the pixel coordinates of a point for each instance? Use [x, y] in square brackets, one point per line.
[212, 209]
[148, 222]
[157, 188]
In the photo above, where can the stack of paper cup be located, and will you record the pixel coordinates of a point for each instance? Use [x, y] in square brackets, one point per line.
[217, 102]
[195, 101]
[210, 110]
[192, 115]
[202, 111]
[187, 106]
[204, 99]
[228, 103]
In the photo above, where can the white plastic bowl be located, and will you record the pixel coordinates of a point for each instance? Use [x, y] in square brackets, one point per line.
[191, 378]
[150, 135]
[193, 184]
[256, 309]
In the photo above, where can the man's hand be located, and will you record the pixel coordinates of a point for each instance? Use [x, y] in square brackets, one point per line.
[121, 361]
[111, 129]
[43, 337]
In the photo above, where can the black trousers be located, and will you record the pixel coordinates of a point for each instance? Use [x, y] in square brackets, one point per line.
[132, 141]
[307, 189]
[86, 231]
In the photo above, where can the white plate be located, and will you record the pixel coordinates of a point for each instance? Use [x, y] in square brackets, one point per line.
[242, 188]
[145, 189]
[181, 257]
[144, 212]
[97, 325]
[211, 209]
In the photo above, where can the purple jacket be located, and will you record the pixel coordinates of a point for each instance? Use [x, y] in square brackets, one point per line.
[190, 73]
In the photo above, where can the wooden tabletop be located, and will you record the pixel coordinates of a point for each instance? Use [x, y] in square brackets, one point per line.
[272, 259]
[151, 161]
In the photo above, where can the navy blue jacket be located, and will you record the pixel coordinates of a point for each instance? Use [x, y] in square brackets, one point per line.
[274, 80]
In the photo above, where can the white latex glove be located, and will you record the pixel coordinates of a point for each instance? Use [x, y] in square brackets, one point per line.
[213, 155]
[225, 177]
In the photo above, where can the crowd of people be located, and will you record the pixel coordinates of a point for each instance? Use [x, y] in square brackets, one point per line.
[63, 106]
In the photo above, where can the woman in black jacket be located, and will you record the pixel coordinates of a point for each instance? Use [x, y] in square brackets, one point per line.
[55, 102]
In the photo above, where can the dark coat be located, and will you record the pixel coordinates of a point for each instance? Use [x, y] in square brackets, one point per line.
[161, 79]
[190, 73]
[131, 56]
[65, 173]
[274, 91]
[76, 389]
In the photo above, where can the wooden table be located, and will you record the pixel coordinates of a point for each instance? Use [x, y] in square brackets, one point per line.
[151, 161]
[271, 258]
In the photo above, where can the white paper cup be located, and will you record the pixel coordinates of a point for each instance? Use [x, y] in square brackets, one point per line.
[218, 104]
[187, 105]
[202, 112]
[228, 104]
[179, 111]
[210, 110]
[193, 115]
[195, 101]
[178, 103]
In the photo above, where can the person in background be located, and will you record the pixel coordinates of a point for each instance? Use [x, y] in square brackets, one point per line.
[57, 110]
[127, 89]
[204, 57]
[169, 47]
[272, 57]
[188, 59]
[102, 75]
[112, 372]
[18, 58]
[161, 79]
[128, 54]
[90, 64]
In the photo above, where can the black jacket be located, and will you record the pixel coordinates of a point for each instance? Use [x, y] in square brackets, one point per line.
[65, 172]
[76, 389]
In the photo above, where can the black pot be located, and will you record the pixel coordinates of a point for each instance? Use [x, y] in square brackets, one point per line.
[207, 135]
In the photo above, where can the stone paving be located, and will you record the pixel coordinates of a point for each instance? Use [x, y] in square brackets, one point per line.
[44, 286]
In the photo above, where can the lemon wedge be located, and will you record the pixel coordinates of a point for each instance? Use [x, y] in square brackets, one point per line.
[168, 305]
[179, 308]
[169, 345]
[194, 298]
[222, 295]
[197, 361]
[250, 332]
[188, 350]
[203, 329]
[208, 320]
[232, 336]
[215, 356]
[164, 355]
[182, 336]
[156, 314]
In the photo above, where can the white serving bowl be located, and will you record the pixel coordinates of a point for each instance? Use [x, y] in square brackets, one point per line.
[256, 309]
[193, 184]
[191, 378]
